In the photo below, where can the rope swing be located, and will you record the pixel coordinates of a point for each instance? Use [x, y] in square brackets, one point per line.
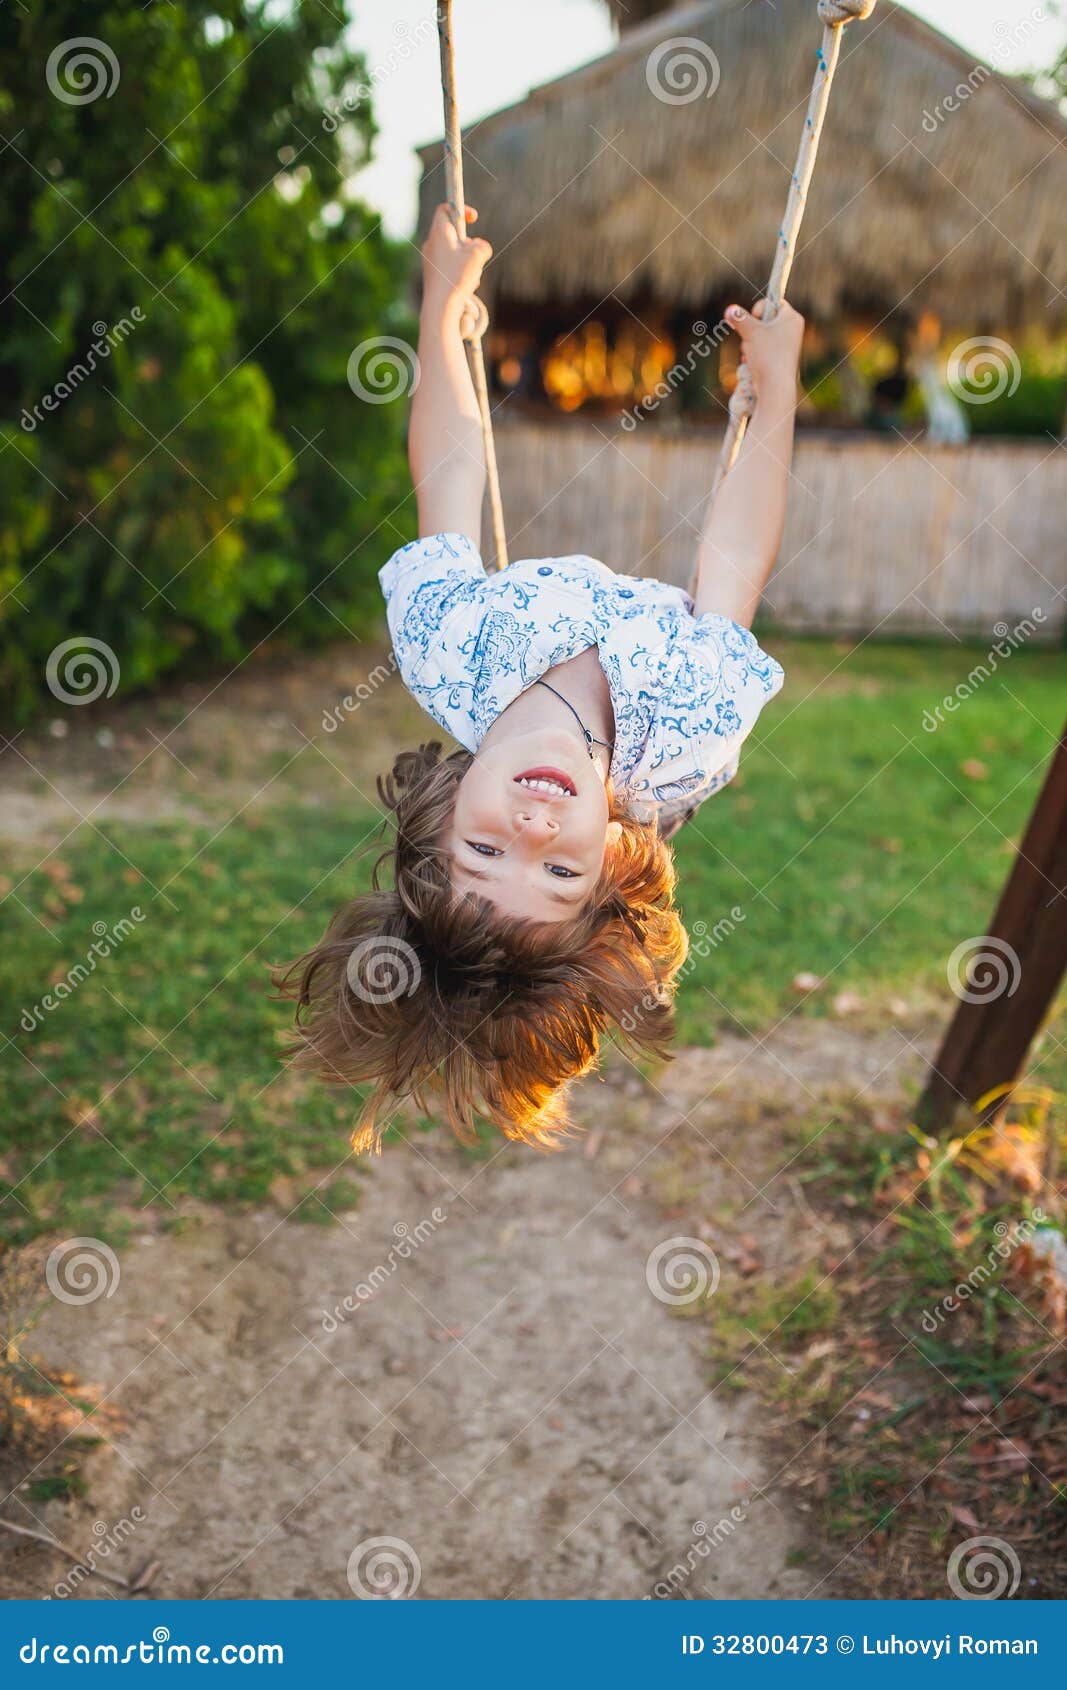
[476, 321]
[834, 15]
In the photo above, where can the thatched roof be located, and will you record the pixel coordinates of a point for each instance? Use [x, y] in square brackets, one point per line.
[627, 14]
[592, 185]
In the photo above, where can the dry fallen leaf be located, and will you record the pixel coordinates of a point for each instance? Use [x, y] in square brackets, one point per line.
[847, 1003]
[966, 1518]
[977, 1404]
[81, 1114]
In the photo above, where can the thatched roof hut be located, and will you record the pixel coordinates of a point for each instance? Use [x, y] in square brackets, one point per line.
[940, 188]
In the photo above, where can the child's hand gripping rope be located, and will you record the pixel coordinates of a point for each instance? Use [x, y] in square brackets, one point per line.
[452, 266]
[771, 350]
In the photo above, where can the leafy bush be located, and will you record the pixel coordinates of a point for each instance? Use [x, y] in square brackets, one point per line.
[183, 465]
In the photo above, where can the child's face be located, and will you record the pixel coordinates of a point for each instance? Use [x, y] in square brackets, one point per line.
[534, 850]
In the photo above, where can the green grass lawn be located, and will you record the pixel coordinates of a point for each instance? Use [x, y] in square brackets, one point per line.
[855, 845]
[858, 845]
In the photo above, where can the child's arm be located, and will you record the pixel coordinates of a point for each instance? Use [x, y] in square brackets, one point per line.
[445, 438]
[743, 529]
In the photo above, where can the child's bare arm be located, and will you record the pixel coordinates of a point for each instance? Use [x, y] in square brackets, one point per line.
[445, 439]
[743, 529]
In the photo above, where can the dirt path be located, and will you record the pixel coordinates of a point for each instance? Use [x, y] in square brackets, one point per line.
[513, 1402]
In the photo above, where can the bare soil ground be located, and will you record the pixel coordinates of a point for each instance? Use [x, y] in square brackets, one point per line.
[512, 1404]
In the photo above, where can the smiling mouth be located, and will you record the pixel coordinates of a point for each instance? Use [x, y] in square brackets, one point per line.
[550, 783]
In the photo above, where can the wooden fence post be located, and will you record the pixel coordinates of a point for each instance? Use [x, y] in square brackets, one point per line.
[988, 1040]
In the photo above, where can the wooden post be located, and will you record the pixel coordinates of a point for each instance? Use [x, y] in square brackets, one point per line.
[987, 1042]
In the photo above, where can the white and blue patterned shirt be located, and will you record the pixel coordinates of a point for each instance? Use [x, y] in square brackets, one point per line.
[686, 689]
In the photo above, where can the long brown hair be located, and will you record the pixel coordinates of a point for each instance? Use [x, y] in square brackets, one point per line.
[419, 990]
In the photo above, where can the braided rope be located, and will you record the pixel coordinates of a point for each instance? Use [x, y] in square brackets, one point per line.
[475, 315]
[835, 14]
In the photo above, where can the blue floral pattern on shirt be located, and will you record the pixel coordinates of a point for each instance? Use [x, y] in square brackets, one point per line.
[686, 689]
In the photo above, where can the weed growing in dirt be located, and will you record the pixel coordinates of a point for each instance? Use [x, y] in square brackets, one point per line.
[913, 1356]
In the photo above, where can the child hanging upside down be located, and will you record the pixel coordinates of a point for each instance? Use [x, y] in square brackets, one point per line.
[531, 903]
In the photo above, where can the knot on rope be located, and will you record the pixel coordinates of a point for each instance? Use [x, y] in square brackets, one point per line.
[743, 397]
[475, 318]
[835, 13]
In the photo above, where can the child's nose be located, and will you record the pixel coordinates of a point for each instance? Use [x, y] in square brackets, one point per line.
[538, 824]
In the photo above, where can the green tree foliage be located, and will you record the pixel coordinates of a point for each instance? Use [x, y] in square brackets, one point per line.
[183, 464]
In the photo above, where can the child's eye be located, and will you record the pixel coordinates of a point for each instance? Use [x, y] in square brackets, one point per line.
[482, 850]
[560, 872]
